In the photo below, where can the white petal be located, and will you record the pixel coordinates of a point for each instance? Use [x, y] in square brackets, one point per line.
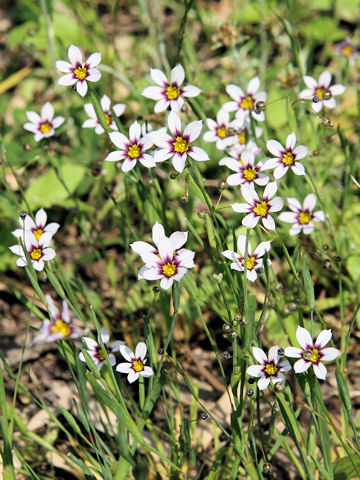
[33, 117]
[119, 140]
[249, 193]
[269, 222]
[166, 283]
[240, 207]
[337, 89]
[320, 371]
[155, 93]
[198, 154]
[275, 147]
[323, 339]
[253, 85]
[304, 338]
[140, 350]
[174, 123]
[128, 164]
[179, 162]
[63, 66]
[330, 354]
[193, 130]
[94, 75]
[30, 127]
[263, 383]
[81, 88]
[47, 111]
[158, 76]
[280, 171]
[89, 109]
[288, 217]
[119, 109]
[126, 353]
[105, 335]
[301, 366]
[250, 220]
[235, 93]
[325, 79]
[293, 352]
[190, 91]
[276, 204]
[75, 55]
[147, 372]
[161, 105]
[300, 151]
[259, 355]
[255, 370]
[310, 202]
[57, 121]
[298, 168]
[94, 60]
[270, 190]
[262, 248]
[291, 141]
[115, 156]
[177, 75]
[273, 354]
[310, 82]
[124, 368]
[294, 205]
[147, 160]
[135, 132]
[241, 244]
[178, 239]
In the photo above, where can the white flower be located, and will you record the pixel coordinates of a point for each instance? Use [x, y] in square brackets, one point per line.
[58, 328]
[131, 149]
[286, 157]
[165, 262]
[93, 121]
[310, 354]
[38, 228]
[236, 151]
[178, 145]
[254, 260]
[177, 239]
[136, 365]
[219, 130]
[43, 125]
[259, 209]
[245, 103]
[77, 71]
[247, 171]
[322, 90]
[95, 351]
[301, 215]
[270, 368]
[169, 93]
[38, 250]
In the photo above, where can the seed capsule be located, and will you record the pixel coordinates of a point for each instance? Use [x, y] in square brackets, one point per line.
[249, 392]
[225, 355]
[161, 351]
[279, 386]
[22, 214]
[204, 415]
[223, 186]
[260, 105]
[156, 289]
[316, 99]
[327, 95]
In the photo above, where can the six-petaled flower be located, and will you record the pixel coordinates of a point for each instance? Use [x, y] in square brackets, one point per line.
[254, 260]
[165, 262]
[321, 91]
[136, 362]
[257, 208]
[58, 328]
[302, 216]
[38, 250]
[245, 103]
[286, 157]
[219, 130]
[131, 149]
[96, 352]
[77, 72]
[169, 93]
[93, 121]
[43, 125]
[312, 353]
[270, 368]
[178, 145]
[247, 171]
[38, 228]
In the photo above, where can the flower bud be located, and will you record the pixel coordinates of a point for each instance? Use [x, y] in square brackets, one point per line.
[203, 415]
[161, 351]
[22, 214]
[279, 386]
[249, 392]
[202, 214]
[156, 289]
[225, 355]
[268, 468]
[226, 327]
[223, 186]
[316, 99]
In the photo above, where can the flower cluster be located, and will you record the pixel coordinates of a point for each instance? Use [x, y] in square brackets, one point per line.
[271, 367]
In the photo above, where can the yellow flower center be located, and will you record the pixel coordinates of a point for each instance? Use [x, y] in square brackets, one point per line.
[270, 369]
[319, 92]
[45, 127]
[172, 92]
[304, 217]
[312, 355]
[250, 264]
[180, 145]
[61, 327]
[36, 254]
[347, 50]
[261, 209]
[37, 233]
[169, 269]
[108, 119]
[288, 158]
[242, 137]
[137, 365]
[134, 151]
[247, 103]
[250, 173]
[80, 73]
[100, 354]
[221, 132]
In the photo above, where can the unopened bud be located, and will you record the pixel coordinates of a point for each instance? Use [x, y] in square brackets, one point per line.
[22, 214]
[223, 186]
[260, 105]
[251, 380]
[226, 327]
[27, 147]
[203, 415]
[173, 175]
[161, 351]
[184, 198]
[202, 214]
[233, 333]
[326, 263]
[192, 472]
[316, 99]
[337, 259]
[279, 386]
[225, 355]
[268, 468]
[95, 172]
[326, 247]
[316, 153]
[156, 289]
[327, 122]
[249, 392]
[244, 321]
[281, 352]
